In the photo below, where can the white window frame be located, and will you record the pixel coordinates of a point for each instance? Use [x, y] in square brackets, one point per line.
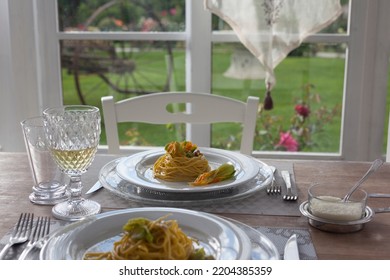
[30, 54]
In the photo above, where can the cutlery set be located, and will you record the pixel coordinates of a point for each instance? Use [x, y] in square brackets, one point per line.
[24, 231]
[275, 188]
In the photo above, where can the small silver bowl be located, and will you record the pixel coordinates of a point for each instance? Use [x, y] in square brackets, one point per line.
[336, 226]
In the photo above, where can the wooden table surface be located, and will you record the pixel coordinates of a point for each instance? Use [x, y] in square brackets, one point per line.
[372, 242]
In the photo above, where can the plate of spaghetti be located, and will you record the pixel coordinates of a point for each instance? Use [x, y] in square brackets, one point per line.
[189, 170]
[149, 233]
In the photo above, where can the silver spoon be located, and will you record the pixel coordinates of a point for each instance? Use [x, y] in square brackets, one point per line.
[374, 167]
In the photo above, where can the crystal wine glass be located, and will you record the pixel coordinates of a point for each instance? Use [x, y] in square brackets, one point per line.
[73, 134]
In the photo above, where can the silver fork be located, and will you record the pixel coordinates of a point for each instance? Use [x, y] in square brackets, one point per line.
[274, 188]
[289, 195]
[37, 238]
[21, 232]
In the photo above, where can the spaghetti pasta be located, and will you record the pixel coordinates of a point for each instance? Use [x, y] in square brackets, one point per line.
[181, 162]
[144, 239]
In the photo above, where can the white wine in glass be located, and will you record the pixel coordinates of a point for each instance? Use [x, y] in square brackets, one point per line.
[73, 134]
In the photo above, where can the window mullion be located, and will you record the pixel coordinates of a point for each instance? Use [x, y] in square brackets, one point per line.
[123, 36]
[231, 37]
[20, 98]
[359, 77]
[198, 63]
[380, 80]
[48, 54]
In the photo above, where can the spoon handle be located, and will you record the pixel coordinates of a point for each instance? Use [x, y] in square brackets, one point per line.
[374, 167]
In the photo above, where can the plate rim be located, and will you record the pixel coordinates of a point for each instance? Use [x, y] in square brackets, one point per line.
[236, 157]
[245, 247]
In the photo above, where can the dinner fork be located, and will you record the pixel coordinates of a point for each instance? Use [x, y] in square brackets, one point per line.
[289, 195]
[274, 188]
[38, 236]
[21, 232]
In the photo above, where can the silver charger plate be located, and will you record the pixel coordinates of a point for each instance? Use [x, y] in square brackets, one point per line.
[138, 169]
[221, 238]
[112, 182]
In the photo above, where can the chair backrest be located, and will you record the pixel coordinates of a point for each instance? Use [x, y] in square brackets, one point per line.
[204, 109]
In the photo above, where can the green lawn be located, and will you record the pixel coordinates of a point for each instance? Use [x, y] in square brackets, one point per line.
[292, 74]
[326, 75]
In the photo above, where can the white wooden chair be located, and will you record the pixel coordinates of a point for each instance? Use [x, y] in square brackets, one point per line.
[205, 109]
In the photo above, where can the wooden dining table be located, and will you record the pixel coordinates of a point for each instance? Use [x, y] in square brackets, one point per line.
[372, 242]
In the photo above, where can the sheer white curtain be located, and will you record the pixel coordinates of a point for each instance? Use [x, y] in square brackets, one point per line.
[270, 29]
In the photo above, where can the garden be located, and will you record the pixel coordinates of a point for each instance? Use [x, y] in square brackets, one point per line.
[307, 101]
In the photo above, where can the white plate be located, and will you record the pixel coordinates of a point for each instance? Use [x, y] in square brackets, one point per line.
[112, 182]
[137, 169]
[219, 237]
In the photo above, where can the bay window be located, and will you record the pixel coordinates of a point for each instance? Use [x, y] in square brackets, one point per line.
[330, 95]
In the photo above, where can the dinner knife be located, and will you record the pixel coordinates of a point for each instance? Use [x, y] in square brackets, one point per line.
[95, 187]
[291, 248]
[381, 210]
[385, 195]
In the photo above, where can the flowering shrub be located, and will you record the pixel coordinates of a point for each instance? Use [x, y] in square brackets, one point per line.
[296, 134]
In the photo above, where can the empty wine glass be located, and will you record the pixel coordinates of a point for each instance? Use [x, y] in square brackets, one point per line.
[73, 134]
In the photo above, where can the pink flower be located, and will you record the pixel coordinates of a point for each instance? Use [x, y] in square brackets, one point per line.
[172, 11]
[148, 25]
[302, 110]
[288, 142]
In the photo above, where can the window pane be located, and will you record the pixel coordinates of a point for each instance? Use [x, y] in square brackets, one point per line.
[104, 15]
[339, 26]
[307, 97]
[92, 69]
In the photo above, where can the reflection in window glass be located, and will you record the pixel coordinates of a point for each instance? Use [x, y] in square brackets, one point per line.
[92, 69]
[307, 97]
[104, 15]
